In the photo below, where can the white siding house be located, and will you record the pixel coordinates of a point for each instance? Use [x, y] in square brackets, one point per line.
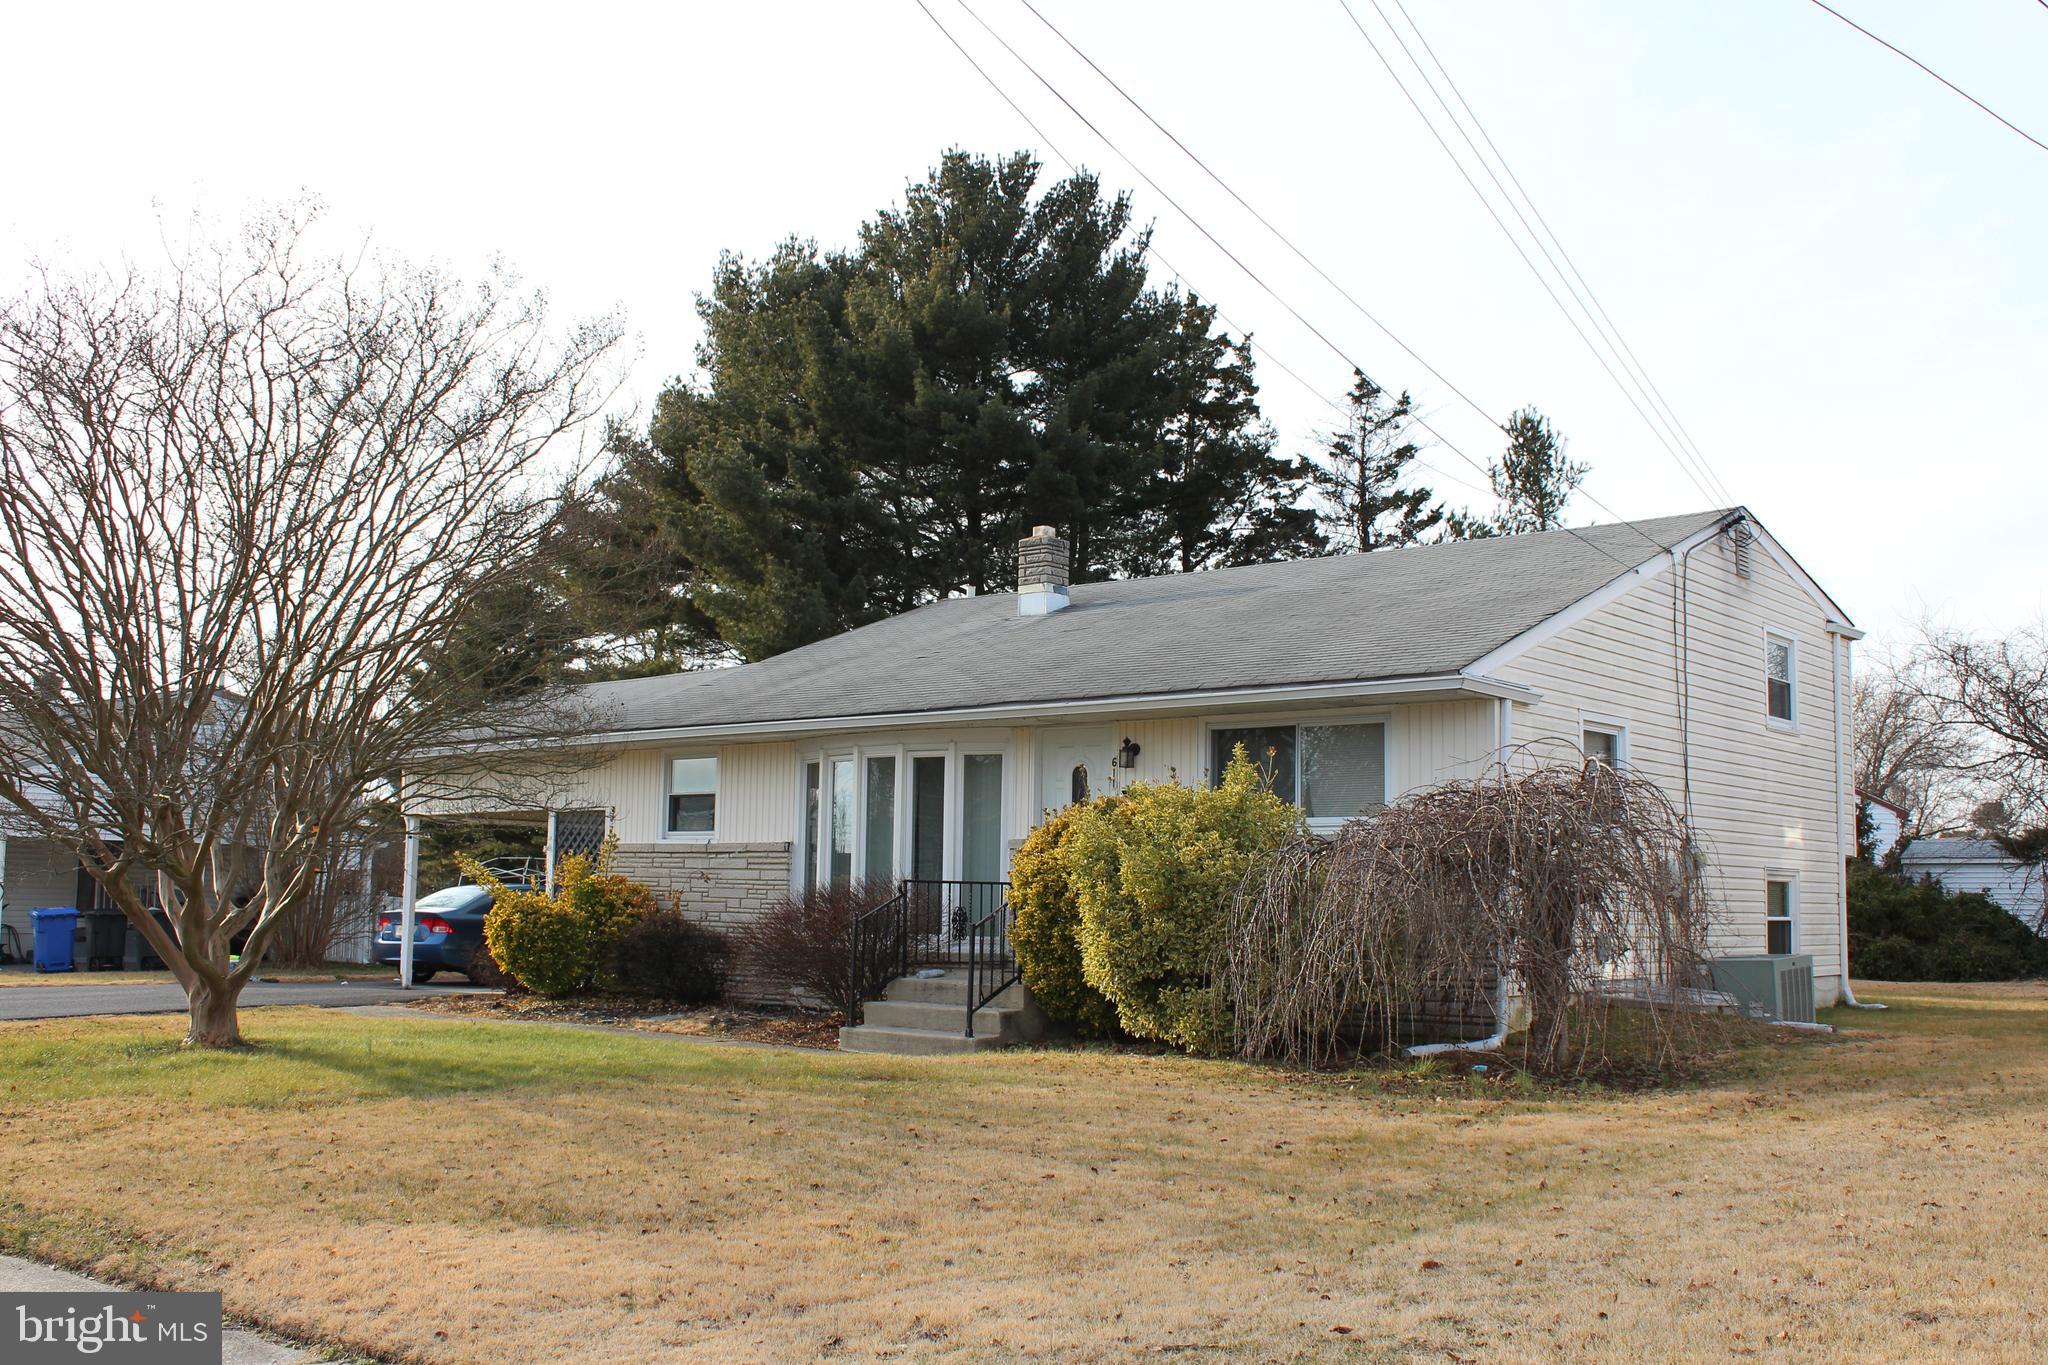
[1693, 650]
[1980, 865]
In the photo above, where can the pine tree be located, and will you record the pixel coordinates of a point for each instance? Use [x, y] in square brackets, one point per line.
[1358, 480]
[1533, 480]
[875, 428]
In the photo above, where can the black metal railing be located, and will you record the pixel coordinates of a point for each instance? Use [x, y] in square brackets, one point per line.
[946, 924]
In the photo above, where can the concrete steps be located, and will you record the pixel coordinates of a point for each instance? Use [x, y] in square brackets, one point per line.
[927, 1016]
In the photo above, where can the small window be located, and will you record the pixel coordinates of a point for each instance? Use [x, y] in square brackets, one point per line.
[1078, 786]
[692, 795]
[1778, 678]
[1602, 745]
[1777, 917]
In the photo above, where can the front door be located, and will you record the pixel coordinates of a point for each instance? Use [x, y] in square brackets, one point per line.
[1073, 765]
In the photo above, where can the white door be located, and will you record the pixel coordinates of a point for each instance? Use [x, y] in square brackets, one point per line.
[1073, 765]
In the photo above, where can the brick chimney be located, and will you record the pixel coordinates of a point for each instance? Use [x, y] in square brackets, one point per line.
[1041, 572]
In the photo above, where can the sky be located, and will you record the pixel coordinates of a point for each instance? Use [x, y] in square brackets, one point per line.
[1834, 270]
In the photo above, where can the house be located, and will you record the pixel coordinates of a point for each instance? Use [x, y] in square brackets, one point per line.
[1887, 824]
[1981, 865]
[1692, 649]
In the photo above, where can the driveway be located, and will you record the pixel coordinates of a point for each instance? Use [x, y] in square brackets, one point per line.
[63, 1002]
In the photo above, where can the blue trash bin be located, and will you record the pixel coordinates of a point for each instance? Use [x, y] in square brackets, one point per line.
[53, 931]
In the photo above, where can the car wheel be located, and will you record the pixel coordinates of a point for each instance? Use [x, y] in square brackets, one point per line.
[420, 974]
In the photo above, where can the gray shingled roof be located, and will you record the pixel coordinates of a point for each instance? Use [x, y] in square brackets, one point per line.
[1954, 850]
[1419, 612]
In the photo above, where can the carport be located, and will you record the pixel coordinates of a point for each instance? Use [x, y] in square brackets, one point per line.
[568, 831]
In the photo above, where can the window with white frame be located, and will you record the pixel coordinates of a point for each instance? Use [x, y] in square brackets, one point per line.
[888, 811]
[1779, 699]
[1334, 771]
[1603, 742]
[1778, 903]
[692, 796]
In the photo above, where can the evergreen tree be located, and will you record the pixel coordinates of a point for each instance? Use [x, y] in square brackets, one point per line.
[875, 428]
[1533, 480]
[1358, 479]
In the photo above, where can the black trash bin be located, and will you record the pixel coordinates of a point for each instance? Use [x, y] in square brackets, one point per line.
[106, 938]
[146, 959]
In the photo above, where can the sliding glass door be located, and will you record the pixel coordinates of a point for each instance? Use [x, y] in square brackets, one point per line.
[884, 812]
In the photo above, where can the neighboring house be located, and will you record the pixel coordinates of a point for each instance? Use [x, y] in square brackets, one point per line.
[1692, 649]
[1981, 865]
[1887, 825]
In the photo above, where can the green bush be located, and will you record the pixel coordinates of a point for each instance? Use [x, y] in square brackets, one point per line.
[1903, 930]
[1155, 872]
[1044, 933]
[557, 945]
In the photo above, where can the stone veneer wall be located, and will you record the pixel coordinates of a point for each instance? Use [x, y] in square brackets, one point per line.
[724, 885]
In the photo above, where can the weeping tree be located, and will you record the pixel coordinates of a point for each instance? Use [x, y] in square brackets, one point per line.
[250, 509]
[1580, 884]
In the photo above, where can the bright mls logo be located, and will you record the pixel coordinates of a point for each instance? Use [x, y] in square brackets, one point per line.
[161, 1329]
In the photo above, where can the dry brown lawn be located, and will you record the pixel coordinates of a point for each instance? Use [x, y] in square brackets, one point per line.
[456, 1191]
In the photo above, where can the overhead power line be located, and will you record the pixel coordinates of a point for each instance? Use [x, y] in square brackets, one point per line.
[1514, 241]
[1229, 254]
[1152, 250]
[1266, 350]
[1610, 329]
[1936, 74]
[1255, 277]
[1263, 221]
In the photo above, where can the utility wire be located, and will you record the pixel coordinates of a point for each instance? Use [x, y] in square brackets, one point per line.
[1265, 350]
[1513, 240]
[1296, 313]
[1936, 74]
[1611, 330]
[1264, 222]
[1232, 256]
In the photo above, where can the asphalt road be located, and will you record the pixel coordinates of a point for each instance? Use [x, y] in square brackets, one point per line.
[65, 1002]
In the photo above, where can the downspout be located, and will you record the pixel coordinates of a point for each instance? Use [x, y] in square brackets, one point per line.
[1838, 646]
[1490, 1043]
[1504, 735]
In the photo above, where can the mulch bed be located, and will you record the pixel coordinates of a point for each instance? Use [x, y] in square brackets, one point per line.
[756, 1024]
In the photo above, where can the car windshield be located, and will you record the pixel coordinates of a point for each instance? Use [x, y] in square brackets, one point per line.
[455, 898]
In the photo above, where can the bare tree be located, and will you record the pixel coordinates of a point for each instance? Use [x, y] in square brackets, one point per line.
[1906, 751]
[246, 506]
[1995, 690]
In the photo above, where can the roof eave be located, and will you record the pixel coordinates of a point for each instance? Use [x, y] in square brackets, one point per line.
[1432, 687]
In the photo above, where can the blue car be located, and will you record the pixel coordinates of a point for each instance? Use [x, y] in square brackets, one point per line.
[448, 929]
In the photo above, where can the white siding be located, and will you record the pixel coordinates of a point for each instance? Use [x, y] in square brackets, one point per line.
[758, 790]
[39, 874]
[1765, 799]
[1441, 742]
[2017, 887]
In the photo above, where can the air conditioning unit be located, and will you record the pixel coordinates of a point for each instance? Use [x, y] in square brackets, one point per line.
[1779, 987]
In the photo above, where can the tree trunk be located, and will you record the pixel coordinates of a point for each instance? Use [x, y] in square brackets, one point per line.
[215, 1022]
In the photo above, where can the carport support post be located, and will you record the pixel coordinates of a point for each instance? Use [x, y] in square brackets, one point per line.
[408, 909]
[548, 857]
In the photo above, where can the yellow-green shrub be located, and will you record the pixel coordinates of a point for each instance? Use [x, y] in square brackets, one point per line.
[1044, 932]
[1154, 873]
[556, 945]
